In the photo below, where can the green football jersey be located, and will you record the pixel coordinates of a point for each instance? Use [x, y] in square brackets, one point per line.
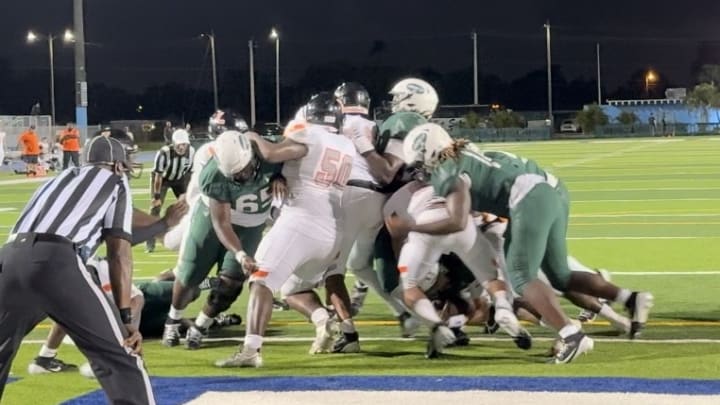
[492, 174]
[397, 126]
[252, 197]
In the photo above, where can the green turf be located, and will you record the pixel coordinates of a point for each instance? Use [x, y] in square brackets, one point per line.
[638, 206]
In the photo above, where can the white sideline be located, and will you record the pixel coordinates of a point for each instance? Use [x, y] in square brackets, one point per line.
[296, 339]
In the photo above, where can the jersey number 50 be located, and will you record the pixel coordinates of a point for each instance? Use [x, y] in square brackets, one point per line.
[334, 168]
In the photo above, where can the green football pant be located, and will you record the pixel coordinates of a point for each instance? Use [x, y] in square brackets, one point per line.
[538, 229]
[201, 249]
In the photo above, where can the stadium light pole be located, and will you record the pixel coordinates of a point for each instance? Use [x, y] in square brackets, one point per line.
[251, 50]
[32, 37]
[549, 74]
[211, 37]
[475, 68]
[275, 36]
[599, 86]
[81, 93]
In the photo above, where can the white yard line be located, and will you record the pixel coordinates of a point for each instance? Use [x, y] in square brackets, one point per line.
[640, 237]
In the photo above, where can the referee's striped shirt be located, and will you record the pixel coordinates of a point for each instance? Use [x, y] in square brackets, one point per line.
[82, 204]
[171, 166]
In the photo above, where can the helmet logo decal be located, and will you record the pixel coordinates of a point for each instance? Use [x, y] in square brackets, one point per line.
[419, 143]
[415, 88]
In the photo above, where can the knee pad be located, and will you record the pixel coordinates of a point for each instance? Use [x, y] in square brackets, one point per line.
[224, 293]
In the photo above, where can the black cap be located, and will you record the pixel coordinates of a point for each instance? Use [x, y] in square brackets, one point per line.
[105, 150]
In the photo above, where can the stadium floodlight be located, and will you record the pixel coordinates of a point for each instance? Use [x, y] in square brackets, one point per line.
[276, 36]
[31, 37]
[650, 77]
[68, 36]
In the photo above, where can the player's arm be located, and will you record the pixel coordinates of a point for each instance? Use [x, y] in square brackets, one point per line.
[220, 217]
[457, 203]
[278, 152]
[384, 168]
[146, 227]
[159, 167]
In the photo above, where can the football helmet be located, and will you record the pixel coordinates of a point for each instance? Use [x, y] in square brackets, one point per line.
[226, 120]
[414, 95]
[324, 109]
[423, 145]
[234, 155]
[354, 98]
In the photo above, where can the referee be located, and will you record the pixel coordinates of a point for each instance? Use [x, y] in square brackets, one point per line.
[42, 271]
[172, 168]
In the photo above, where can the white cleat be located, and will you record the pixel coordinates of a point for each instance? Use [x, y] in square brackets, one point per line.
[440, 337]
[244, 358]
[324, 339]
[509, 323]
[572, 347]
[640, 312]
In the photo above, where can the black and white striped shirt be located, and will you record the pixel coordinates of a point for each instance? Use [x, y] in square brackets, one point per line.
[171, 166]
[82, 204]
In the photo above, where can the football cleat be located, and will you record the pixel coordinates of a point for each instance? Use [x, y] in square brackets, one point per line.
[46, 365]
[87, 371]
[224, 320]
[490, 325]
[357, 297]
[509, 323]
[171, 335]
[244, 358]
[639, 306]
[440, 338]
[573, 346]
[347, 343]
[194, 337]
[461, 338]
[324, 339]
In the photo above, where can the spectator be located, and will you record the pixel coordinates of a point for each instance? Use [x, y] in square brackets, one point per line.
[70, 140]
[29, 144]
[130, 134]
[653, 124]
[35, 110]
[167, 132]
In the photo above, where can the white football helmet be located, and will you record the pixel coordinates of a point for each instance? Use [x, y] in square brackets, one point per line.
[233, 154]
[424, 143]
[414, 95]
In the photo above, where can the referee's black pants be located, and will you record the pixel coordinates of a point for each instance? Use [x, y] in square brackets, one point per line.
[42, 277]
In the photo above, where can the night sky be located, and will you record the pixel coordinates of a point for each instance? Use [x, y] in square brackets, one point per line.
[136, 43]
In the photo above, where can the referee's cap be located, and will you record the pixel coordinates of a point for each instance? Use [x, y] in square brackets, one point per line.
[180, 136]
[105, 150]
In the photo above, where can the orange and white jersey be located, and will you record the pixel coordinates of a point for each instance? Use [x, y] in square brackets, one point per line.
[103, 271]
[356, 124]
[316, 181]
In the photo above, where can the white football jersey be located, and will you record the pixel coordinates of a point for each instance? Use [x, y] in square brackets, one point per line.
[357, 124]
[316, 181]
[103, 272]
[202, 156]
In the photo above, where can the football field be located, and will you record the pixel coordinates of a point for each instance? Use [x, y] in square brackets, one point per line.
[647, 210]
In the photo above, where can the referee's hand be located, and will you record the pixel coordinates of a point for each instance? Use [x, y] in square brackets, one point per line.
[134, 340]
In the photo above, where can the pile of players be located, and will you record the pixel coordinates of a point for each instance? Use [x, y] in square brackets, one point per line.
[445, 233]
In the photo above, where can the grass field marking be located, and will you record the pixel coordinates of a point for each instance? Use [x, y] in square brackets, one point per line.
[714, 214]
[639, 237]
[24, 181]
[643, 200]
[576, 190]
[601, 156]
[665, 273]
[297, 339]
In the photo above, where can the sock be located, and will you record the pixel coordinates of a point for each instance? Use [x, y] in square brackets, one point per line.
[347, 326]
[175, 314]
[501, 301]
[253, 342]
[623, 296]
[457, 321]
[47, 352]
[426, 311]
[203, 321]
[319, 317]
[608, 313]
[568, 330]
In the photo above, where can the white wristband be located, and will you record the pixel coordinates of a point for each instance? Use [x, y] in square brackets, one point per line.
[239, 256]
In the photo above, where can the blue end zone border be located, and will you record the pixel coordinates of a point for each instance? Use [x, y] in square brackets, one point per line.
[183, 389]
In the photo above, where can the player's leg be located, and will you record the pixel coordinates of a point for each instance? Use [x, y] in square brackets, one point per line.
[228, 287]
[155, 210]
[46, 360]
[299, 293]
[199, 252]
